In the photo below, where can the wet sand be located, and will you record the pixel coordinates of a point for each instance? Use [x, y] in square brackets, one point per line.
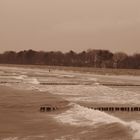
[21, 118]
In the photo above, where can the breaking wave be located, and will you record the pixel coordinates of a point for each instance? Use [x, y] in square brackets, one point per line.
[93, 93]
[82, 116]
[20, 77]
[26, 79]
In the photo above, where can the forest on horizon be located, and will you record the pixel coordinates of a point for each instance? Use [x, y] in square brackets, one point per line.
[89, 58]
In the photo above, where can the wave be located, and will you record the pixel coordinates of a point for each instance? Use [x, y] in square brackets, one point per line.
[26, 79]
[82, 116]
[20, 77]
[10, 138]
[67, 76]
[33, 81]
[26, 138]
[94, 93]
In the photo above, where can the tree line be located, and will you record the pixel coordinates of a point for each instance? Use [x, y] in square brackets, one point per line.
[89, 58]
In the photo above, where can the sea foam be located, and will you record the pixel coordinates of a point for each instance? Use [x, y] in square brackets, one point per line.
[82, 116]
[27, 79]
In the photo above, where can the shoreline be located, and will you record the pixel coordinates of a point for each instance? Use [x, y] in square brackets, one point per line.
[20, 117]
[92, 70]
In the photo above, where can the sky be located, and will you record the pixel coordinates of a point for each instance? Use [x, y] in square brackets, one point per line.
[53, 25]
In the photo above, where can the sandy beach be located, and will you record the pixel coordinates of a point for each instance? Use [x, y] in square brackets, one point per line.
[20, 118]
[23, 91]
[69, 70]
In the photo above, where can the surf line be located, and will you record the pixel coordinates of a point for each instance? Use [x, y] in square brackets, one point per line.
[127, 109]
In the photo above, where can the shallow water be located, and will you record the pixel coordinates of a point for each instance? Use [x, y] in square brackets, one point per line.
[76, 121]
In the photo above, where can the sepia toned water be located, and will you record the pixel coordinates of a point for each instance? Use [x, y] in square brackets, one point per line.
[75, 94]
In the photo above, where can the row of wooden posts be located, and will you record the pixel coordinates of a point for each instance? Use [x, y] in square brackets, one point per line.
[53, 108]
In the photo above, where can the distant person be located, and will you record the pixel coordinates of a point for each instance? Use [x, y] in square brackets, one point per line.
[49, 70]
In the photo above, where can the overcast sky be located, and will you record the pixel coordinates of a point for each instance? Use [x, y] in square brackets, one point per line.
[70, 25]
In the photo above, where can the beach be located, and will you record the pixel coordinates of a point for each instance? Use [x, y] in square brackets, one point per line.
[22, 94]
[21, 118]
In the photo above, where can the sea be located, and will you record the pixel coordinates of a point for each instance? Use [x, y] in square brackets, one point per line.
[80, 117]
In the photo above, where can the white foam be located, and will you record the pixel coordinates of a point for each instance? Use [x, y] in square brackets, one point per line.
[91, 91]
[11, 138]
[68, 76]
[82, 116]
[66, 137]
[32, 80]
[136, 128]
[26, 79]
[94, 93]
[20, 77]
[25, 138]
